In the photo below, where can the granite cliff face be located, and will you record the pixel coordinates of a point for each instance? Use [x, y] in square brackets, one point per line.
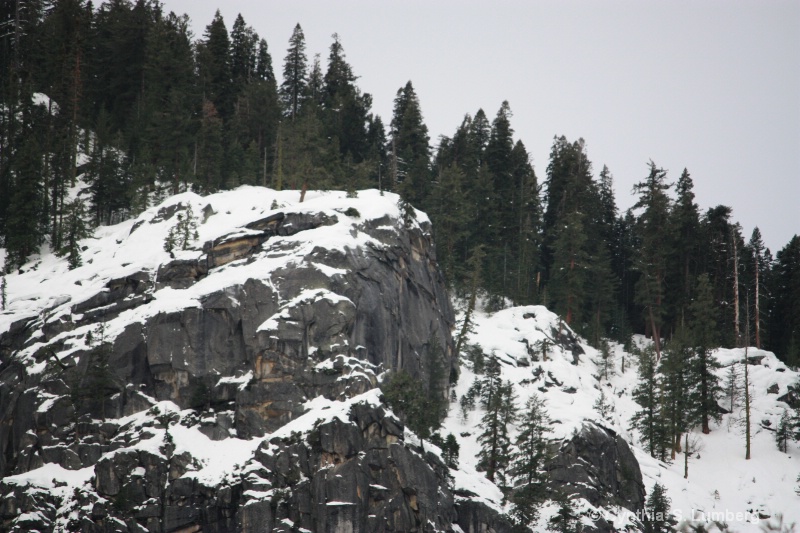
[231, 385]
[231, 382]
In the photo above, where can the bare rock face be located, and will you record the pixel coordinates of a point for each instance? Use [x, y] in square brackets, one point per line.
[598, 465]
[233, 341]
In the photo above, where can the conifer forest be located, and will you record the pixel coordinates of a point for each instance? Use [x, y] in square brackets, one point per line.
[121, 97]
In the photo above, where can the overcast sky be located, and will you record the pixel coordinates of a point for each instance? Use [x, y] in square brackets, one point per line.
[713, 86]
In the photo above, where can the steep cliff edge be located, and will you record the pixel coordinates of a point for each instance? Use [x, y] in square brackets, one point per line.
[230, 385]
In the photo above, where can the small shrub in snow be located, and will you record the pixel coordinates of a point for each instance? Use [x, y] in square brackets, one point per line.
[183, 233]
[603, 407]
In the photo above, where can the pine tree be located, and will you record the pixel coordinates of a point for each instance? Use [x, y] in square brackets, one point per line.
[527, 464]
[658, 518]
[783, 433]
[107, 174]
[3, 293]
[566, 519]
[450, 450]
[704, 383]
[756, 248]
[409, 399]
[295, 69]
[24, 228]
[528, 214]
[684, 227]
[650, 420]
[410, 140]
[746, 387]
[214, 62]
[183, 233]
[75, 229]
[498, 400]
[450, 222]
[732, 387]
[243, 54]
[474, 265]
[602, 406]
[718, 234]
[209, 158]
[674, 369]
[569, 274]
[784, 312]
[264, 70]
[606, 363]
[652, 228]
[101, 383]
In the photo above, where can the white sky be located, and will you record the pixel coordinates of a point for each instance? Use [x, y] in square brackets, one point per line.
[713, 85]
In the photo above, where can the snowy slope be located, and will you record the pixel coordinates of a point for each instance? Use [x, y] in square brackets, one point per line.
[720, 480]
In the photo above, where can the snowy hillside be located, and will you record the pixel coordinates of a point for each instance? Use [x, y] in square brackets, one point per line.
[752, 492]
[232, 384]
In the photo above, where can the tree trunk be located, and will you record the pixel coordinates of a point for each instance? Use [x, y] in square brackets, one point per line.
[747, 391]
[686, 458]
[758, 313]
[736, 333]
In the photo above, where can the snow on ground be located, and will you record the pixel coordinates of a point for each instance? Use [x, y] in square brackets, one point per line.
[720, 479]
[46, 288]
[722, 485]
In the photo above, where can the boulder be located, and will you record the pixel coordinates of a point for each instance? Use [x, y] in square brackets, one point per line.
[598, 465]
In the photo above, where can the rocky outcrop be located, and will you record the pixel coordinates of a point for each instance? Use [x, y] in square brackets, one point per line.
[597, 465]
[267, 317]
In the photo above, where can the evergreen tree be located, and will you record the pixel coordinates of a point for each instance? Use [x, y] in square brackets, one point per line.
[24, 227]
[568, 277]
[450, 222]
[566, 519]
[346, 108]
[732, 386]
[494, 456]
[528, 215]
[758, 273]
[209, 158]
[675, 368]
[214, 62]
[295, 69]
[652, 227]
[705, 388]
[783, 433]
[527, 464]
[784, 311]
[498, 156]
[75, 229]
[718, 234]
[602, 406]
[410, 146]
[657, 518]
[101, 382]
[600, 288]
[264, 70]
[409, 399]
[606, 363]
[243, 53]
[107, 175]
[570, 190]
[474, 266]
[685, 228]
[421, 404]
[650, 420]
[183, 233]
[450, 450]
